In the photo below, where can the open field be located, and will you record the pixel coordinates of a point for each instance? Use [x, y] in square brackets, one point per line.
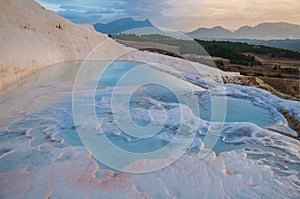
[140, 45]
[282, 74]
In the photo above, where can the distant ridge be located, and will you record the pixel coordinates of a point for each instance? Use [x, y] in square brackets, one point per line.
[121, 25]
[215, 32]
[264, 31]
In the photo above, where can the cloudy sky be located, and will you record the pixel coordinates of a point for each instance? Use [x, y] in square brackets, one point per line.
[183, 15]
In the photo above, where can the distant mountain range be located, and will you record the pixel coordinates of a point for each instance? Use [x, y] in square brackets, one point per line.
[264, 31]
[280, 35]
[121, 25]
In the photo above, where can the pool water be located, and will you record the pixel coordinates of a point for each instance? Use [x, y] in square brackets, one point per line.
[55, 125]
[239, 110]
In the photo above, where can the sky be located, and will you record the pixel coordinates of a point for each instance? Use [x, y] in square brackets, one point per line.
[181, 15]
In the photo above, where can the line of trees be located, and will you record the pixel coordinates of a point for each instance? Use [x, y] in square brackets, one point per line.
[236, 52]
[247, 48]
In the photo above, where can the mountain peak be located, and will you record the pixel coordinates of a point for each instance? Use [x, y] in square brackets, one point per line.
[274, 23]
[263, 31]
[215, 32]
[148, 22]
[218, 27]
[122, 25]
[268, 31]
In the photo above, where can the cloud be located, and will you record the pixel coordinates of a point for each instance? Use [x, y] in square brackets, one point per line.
[81, 17]
[143, 7]
[51, 6]
[93, 11]
[179, 14]
[233, 13]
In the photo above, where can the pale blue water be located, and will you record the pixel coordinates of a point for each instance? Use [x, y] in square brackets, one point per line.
[58, 118]
[239, 110]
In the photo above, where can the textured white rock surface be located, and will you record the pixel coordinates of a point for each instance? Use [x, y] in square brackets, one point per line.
[36, 164]
[32, 37]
